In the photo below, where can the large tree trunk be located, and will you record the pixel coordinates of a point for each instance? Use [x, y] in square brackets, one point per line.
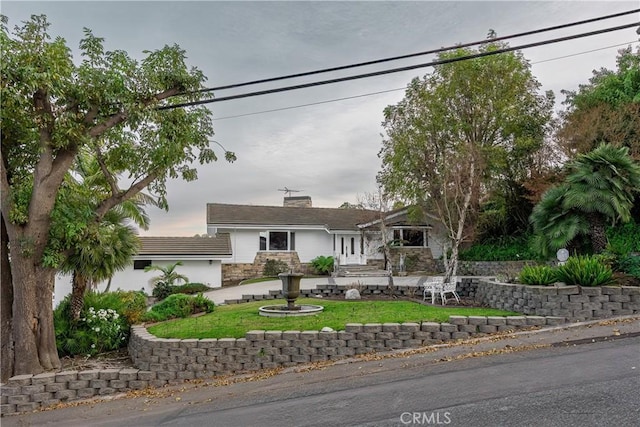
[79, 287]
[6, 303]
[34, 336]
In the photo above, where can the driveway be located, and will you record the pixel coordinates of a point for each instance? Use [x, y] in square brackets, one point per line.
[220, 295]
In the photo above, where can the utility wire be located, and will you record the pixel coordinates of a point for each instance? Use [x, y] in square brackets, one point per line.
[399, 69]
[292, 107]
[412, 55]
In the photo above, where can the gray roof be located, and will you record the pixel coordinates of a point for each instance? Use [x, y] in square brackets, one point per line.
[220, 245]
[332, 218]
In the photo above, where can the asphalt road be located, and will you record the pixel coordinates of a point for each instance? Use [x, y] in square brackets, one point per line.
[592, 384]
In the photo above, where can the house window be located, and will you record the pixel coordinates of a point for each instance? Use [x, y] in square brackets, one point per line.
[277, 241]
[416, 237]
[140, 264]
[353, 241]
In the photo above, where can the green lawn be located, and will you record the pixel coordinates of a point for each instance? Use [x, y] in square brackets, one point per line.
[233, 321]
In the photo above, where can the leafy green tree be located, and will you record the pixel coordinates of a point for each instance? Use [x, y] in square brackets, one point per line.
[607, 109]
[599, 190]
[463, 133]
[52, 108]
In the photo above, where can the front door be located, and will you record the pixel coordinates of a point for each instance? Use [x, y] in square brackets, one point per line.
[349, 248]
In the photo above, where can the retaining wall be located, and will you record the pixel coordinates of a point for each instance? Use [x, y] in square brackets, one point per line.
[173, 359]
[574, 303]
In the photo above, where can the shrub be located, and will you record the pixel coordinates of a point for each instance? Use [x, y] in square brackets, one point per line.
[624, 239]
[585, 271]
[630, 265]
[103, 325]
[322, 264]
[538, 275]
[179, 305]
[190, 288]
[162, 290]
[504, 249]
[273, 267]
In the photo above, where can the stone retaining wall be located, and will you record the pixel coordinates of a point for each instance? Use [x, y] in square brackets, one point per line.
[575, 303]
[29, 392]
[174, 359]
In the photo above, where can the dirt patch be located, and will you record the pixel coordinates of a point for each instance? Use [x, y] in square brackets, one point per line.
[112, 360]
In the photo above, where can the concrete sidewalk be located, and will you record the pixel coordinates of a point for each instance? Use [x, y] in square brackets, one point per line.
[220, 295]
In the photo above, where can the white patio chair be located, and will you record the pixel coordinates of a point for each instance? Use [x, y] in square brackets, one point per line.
[449, 288]
[432, 286]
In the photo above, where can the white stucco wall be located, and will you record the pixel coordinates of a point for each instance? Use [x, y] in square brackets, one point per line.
[246, 243]
[198, 271]
[312, 243]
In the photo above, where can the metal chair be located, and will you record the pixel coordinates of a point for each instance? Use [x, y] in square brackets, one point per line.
[449, 288]
[433, 286]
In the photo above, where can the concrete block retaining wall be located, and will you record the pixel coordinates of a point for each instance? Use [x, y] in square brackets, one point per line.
[162, 361]
[173, 359]
[29, 392]
[575, 303]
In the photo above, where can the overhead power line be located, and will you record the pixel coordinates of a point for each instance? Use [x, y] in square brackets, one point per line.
[413, 55]
[310, 104]
[399, 69]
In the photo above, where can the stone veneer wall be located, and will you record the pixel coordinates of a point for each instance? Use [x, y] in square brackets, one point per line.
[416, 259]
[235, 272]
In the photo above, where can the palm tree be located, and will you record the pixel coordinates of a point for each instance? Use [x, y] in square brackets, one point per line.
[602, 184]
[169, 274]
[553, 226]
[598, 191]
[105, 247]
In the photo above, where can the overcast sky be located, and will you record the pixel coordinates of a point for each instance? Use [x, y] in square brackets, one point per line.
[328, 151]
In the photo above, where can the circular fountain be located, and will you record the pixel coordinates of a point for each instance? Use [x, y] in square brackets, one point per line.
[290, 291]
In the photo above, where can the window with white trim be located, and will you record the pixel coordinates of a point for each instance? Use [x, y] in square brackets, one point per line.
[411, 237]
[277, 241]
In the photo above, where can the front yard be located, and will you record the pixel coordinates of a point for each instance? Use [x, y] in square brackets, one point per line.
[233, 321]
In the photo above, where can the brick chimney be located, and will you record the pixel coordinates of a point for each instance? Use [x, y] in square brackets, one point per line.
[297, 202]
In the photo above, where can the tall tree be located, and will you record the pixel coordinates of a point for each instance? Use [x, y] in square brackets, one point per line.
[51, 110]
[599, 190]
[461, 133]
[605, 110]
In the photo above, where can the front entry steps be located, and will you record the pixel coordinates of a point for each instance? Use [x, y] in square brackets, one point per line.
[357, 270]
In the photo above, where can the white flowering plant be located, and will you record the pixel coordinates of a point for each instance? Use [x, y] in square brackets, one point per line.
[106, 330]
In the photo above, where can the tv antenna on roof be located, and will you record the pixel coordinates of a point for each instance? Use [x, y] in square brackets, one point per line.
[288, 191]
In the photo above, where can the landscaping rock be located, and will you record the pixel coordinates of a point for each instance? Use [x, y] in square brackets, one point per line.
[352, 294]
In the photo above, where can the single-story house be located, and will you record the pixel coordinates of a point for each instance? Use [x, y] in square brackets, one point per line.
[296, 233]
[201, 259]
